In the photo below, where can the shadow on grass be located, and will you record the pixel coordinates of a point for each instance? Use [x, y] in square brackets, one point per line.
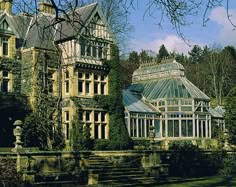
[201, 182]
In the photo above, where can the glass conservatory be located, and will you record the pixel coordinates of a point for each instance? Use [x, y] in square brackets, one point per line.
[175, 107]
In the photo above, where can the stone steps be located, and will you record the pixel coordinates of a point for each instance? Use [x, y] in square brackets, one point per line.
[109, 174]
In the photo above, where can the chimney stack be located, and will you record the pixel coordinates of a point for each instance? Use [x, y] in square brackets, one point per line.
[6, 5]
[46, 7]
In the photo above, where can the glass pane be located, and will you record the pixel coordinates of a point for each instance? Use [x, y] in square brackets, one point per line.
[5, 73]
[96, 116]
[80, 86]
[163, 129]
[5, 48]
[170, 128]
[5, 85]
[87, 87]
[184, 128]
[190, 128]
[103, 133]
[176, 128]
[102, 89]
[96, 88]
[96, 131]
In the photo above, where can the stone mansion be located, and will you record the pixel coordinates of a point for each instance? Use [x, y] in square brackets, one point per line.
[69, 60]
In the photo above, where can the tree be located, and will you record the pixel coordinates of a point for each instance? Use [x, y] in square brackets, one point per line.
[128, 67]
[195, 54]
[219, 65]
[230, 115]
[163, 53]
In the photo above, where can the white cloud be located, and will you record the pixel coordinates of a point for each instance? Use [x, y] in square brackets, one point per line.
[227, 34]
[171, 42]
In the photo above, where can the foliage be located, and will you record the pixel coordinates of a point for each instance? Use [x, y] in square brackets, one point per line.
[188, 160]
[195, 55]
[80, 136]
[8, 173]
[142, 143]
[101, 145]
[37, 131]
[230, 115]
[119, 137]
[58, 142]
[163, 53]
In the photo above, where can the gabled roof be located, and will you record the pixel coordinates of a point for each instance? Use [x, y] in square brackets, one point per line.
[78, 19]
[21, 24]
[41, 33]
[134, 104]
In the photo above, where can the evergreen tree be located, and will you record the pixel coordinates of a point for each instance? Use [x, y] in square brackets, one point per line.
[163, 53]
[230, 115]
[128, 67]
[195, 54]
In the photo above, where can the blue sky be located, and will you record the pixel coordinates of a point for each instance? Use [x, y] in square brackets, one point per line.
[148, 35]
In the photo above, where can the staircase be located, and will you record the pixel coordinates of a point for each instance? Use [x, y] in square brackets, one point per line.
[105, 173]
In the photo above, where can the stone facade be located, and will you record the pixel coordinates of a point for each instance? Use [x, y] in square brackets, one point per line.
[62, 61]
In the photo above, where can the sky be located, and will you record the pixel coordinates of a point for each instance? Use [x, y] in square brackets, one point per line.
[147, 34]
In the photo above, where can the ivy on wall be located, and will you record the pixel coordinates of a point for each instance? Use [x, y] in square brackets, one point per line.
[42, 128]
[118, 135]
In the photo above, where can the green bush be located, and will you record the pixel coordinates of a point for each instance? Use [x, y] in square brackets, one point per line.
[188, 160]
[101, 145]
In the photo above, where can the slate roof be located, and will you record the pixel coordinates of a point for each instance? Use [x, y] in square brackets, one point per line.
[39, 31]
[40, 35]
[66, 29]
[134, 104]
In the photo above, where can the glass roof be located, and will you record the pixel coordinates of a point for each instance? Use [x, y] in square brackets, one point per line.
[159, 68]
[134, 104]
[179, 87]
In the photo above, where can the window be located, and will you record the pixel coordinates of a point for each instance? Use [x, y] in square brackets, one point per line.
[5, 46]
[67, 82]
[67, 86]
[5, 73]
[89, 84]
[95, 88]
[87, 87]
[100, 125]
[67, 120]
[96, 116]
[5, 81]
[87, 114]
[5, 85]
[102, 89]
[93, 49]
[80, 86]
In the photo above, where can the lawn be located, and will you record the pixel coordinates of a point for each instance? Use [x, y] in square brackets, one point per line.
[216, 181]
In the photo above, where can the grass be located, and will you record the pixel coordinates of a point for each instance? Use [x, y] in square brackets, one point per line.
[215, 181]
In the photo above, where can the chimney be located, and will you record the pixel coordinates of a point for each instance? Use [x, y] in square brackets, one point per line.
[6, 5]
[46, 7]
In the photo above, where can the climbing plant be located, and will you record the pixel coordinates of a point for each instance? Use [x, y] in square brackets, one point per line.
[119, 137]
